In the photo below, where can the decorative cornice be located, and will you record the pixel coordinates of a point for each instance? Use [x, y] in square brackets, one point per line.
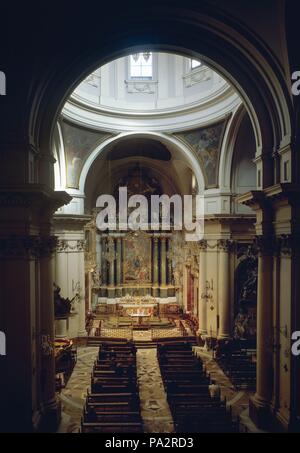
[71, 221]
[27, 246]
[20, 146]
[228, 218]
[224, 92]
[211, 109]
[33, 196]
[260, 198]
[255, 199]
[283, 191]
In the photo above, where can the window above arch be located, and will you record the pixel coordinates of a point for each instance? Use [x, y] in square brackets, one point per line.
[141, 66]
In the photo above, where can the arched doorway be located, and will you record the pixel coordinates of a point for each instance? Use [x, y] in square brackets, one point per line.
[217, 41]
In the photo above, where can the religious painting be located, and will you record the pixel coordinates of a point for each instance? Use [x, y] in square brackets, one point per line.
[137, 259]
[78, 144]
[206, 143]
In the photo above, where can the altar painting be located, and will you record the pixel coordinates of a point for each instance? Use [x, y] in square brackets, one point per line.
[137, 260]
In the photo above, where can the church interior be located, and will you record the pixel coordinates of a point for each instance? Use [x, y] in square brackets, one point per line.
[123, 330]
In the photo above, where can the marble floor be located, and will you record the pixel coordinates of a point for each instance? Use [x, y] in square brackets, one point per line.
[73, 396]
[155, 410]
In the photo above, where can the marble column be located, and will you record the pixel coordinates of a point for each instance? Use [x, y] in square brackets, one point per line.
[111, 256]
[81, 297]
[163, 261]
[169, 265]
[19, 368]
[294, 425]
[185, 287]
[224, 290]
[98, 251]
[119, 267]
[70, 277]
[163, 267]
[260, 404]
[202, 289]
[103, 266]
[26, 303]
[61, 266]
[155, 267]
[48, 399]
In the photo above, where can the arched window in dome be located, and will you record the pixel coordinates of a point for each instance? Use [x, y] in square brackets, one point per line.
[140, 66]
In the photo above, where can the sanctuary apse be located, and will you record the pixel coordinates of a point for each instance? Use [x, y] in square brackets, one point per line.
[135, 262]
[208, 112]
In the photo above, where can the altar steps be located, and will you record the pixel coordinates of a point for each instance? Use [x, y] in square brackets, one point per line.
[96, 341]
[145, 344]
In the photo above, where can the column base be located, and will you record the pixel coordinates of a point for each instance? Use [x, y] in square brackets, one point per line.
[202, 332]
[294, 425]
[260, 412]
[36, 420]
[224, 336]
[118, 292]
[82, 333]
[155, 291]
[163, 292]
[285, 421]
[111, 293]
[50, 416]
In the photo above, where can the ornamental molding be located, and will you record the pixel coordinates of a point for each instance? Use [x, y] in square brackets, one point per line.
[213, 107]
[65, 245]
[28, 246]
[195, 76]
[287, 245]
[225, 245]
[266, 245]
[72, 222]
[203, 245]
[93, 80]
[141, 86]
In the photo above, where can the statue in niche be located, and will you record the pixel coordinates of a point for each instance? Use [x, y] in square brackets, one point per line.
[246, 294]
[241, 325]
[62, 306]
[249, 289]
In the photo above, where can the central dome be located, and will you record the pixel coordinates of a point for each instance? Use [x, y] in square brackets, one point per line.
[148, 82]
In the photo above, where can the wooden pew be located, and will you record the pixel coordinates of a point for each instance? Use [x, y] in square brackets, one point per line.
[111, 427]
